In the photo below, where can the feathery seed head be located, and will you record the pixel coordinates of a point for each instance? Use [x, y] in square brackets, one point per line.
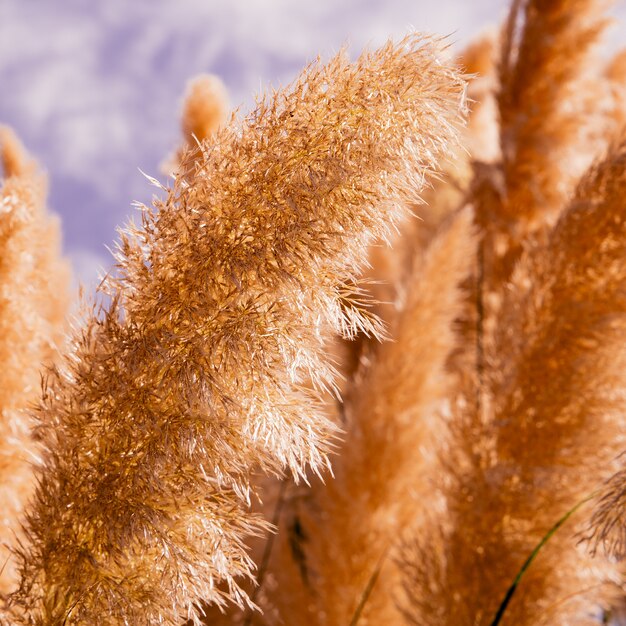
[225, 299]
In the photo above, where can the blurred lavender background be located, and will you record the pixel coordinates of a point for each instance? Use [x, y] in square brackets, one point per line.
[93, 88]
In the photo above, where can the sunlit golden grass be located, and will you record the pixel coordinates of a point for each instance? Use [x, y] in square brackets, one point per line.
[34, 296]
[194, 376]
[356, 362]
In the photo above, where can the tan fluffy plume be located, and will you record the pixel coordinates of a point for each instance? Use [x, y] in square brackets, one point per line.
[544, 397]
[193, 376]
[556, 364]
[34, 295]
[546, 58]
[205, 110]
[607, 528]
[352, 526]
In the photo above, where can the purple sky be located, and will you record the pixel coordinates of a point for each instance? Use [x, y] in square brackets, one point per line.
[93, 88]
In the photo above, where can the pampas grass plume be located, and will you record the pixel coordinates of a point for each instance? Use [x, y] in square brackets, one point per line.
[193, 377]
[34, 296]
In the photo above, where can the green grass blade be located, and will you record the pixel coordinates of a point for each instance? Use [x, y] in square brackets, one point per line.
[367, 592]
[511, 590]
